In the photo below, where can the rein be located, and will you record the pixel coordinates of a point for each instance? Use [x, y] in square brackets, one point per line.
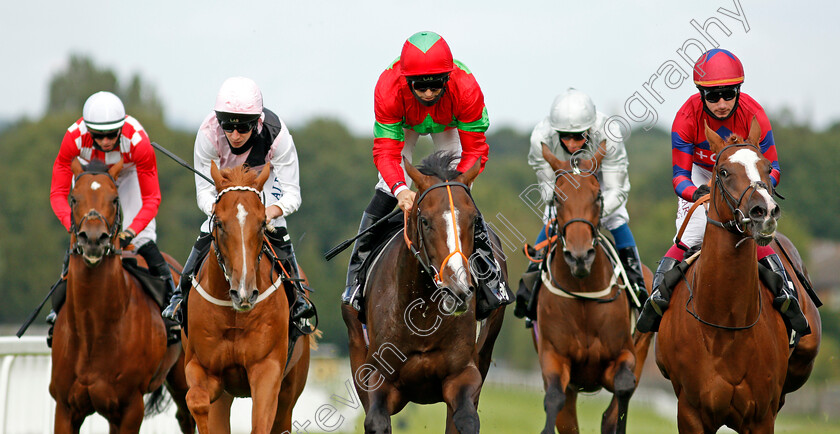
[113, 230]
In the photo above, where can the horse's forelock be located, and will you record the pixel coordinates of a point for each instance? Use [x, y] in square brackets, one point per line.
[96, 166]
[439, 165]
[239, 175]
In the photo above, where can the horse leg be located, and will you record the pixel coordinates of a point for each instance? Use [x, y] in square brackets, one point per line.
[131, 417]
[203, 390]
[66, 420]
[219, 416]
[378, 418]
[176, 383]
[688, 418]
[556, 375]
[358, 349]
[290, 391]
[265, 379]
[460, 393]
[619, 378]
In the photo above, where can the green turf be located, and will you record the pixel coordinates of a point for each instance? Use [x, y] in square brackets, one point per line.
[504, 411]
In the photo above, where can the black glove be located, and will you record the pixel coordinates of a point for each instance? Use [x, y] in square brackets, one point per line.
[125, 238]
[700, 192]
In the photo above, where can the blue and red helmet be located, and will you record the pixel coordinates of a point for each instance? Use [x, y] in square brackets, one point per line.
[425, 54]
[718, 67]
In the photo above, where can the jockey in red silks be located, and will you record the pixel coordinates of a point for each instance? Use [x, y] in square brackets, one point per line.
[425, 92]
[720, 103]
[106, 133]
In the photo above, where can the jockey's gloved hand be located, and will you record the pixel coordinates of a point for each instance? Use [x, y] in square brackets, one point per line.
[125, 238]
[700, 192]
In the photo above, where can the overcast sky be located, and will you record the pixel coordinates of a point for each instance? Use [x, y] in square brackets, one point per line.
[318, 57]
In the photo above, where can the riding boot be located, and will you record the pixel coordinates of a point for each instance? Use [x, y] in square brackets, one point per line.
[58, 297]
[198, 252]
[785, 300]
[364, 244]
[529, 284]
[629, 257]
[301, 307]
[658, 302]
[492, 288]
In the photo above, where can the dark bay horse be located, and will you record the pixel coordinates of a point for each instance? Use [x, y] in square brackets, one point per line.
[425, 344]
[238, 318]
[583, 328]
[722, 345]
[109, 345]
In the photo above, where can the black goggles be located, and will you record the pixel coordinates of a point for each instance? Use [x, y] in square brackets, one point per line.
[564, 135]
[99, 135]
[240, 128]
[422, 86]
[714, 95]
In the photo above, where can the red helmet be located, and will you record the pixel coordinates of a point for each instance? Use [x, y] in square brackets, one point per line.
[426, 53]
[718, 67]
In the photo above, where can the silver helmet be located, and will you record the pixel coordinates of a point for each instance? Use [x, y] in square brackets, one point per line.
[572, 111]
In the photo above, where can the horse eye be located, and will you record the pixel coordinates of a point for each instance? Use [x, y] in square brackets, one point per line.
[724, 173]
[424, 222]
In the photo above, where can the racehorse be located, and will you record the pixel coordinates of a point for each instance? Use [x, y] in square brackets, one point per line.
[722, 345]
[237, 336]
[583, 328]
[425, 345]
[109, 345]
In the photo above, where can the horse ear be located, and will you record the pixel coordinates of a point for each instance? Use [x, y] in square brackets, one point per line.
[76, 166]
[114, 171]
[215, 174]
[420, 179]
[552, 160]
[716, 144]
[754, 135]
[263, 176]
[469, 176]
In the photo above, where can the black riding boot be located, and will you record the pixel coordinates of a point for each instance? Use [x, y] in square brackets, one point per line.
[629, 257]
[198, 252]
[526, 296]
[301, 307]
[492, 291]
[158, 267]
[658, 302]
[58, 297]
[785, 300]
[379, 206]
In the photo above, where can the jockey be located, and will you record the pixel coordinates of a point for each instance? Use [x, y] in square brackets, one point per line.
[423, 92]
[574, 127]
[105, 133]
[241, 131]
[720, 103]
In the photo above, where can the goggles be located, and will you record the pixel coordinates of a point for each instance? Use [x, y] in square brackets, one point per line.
[240, 128]
[714, 95]
[99, 135]
[564, 135]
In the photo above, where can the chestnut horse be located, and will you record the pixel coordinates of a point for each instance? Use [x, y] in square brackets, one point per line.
[425, 343]
[722, 345]
[238, 321]
[109, 345]
[583, 329]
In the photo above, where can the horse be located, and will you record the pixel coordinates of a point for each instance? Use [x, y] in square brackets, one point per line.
[237, 336]
[727, 351]
[425, 345]
[583, 330]
[109, 345]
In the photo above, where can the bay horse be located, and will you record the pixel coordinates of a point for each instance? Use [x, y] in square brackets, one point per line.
[109, 344]
[583, 331]
[237, 336]
[722, 345]
[425, 345]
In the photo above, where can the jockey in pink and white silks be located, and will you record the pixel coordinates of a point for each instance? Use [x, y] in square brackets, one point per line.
[575, 128]
[718, 75]
[241, 131]
[105, 133]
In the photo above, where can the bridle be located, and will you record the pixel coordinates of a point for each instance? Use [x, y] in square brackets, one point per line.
[561, 231]
[113, 229]
[213, 225]
[425, 261]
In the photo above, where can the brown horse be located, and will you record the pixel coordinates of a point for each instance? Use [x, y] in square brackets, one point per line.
[722, 345]
[109, 346]
[425, 344]
[583, 328]
[238, 321]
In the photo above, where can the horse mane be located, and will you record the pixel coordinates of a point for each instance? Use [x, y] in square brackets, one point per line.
[238, 175]
[733, 139]
[438, 165]
[96, 166]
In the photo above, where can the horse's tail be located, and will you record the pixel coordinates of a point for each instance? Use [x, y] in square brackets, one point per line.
[157, 403]
[313, 339]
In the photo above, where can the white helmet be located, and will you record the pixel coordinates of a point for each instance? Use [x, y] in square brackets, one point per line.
[239, 96]
[103, 111]
[572, 112]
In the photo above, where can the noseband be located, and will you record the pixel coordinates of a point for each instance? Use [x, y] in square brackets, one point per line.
[213, 219]
[430, 269]
[93, 214]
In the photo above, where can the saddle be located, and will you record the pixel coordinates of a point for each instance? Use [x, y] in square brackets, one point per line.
[381, 236]
[153, 285]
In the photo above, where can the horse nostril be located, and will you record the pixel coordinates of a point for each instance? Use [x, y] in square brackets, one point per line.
[758, 211]
[103, 239]
[233, 295]
[568, 256]
[776, 212]
[82, 236]
[590, 254]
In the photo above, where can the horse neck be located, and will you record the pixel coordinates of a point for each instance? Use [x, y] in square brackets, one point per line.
[97, 297]
[598, 278]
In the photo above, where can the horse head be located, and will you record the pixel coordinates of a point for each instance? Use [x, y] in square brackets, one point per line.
[578, 204]
[95, 216]
[441, 225]
[238, 227]
[742, 191]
